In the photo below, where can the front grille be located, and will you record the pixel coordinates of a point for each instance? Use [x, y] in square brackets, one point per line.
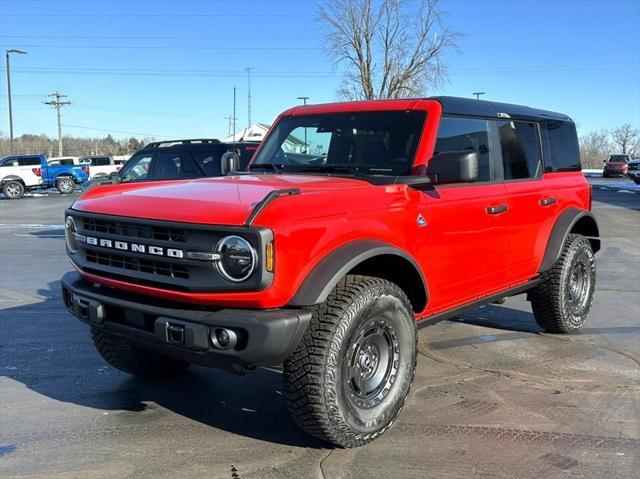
[136, 264]
[133, 230]
[121, 248]
[634, 167]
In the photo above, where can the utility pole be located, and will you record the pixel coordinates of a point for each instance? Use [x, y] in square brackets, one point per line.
[304, 102]
[7, 52]
[58, 104]
[478, 93]
[249, 96]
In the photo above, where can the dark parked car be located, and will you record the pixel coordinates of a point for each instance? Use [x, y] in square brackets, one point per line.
[178, 159]
[633, 170]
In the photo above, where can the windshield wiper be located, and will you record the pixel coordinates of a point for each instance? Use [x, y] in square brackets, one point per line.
[353, 170]
[267, 166]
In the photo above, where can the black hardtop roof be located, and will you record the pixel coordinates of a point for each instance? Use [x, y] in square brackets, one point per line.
[468, 106]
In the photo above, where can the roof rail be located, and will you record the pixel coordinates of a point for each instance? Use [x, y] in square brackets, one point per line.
[157, 144]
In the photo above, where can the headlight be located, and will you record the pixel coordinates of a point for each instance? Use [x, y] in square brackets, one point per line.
[237, 259]
[70, 231]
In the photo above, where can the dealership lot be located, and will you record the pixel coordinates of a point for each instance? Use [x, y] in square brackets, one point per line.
[493, 396]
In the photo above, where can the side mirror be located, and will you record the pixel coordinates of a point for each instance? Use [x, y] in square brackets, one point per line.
[229, 163]
[454, 166]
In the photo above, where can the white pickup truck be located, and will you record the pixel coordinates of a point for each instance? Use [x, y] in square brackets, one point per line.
[103, 166]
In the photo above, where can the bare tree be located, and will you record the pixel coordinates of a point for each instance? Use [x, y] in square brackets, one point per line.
[391, 48]
[594, 148]
[627, 139]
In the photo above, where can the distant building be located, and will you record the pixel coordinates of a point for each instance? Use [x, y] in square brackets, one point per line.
[257, 132]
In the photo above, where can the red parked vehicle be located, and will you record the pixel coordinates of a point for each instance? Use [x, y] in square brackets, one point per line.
[356, 224]
[616, 165]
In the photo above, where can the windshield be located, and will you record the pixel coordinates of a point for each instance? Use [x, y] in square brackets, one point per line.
[619, 158]
[369, 143]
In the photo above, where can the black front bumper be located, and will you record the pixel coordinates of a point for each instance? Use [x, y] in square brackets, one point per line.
[265, 337]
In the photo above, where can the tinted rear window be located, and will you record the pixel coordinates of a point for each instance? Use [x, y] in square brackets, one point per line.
[30, 161]
[562, 152]
[521, 154]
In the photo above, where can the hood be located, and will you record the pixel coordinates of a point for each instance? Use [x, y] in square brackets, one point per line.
[223, 201]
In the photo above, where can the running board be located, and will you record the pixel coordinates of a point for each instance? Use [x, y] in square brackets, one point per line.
[452, 313]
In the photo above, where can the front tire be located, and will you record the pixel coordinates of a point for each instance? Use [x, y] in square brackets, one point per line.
[13, 190]
[562, 301]
[65, 185]
[131, 360]
[350, 375]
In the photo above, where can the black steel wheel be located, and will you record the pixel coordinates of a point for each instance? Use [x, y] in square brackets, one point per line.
[350, 375]
[562, 301]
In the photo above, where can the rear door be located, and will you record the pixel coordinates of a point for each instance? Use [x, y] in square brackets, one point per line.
[532, 205]
[30, 168]
[466, 256]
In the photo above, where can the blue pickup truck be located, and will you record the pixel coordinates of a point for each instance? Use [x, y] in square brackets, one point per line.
[21, 173]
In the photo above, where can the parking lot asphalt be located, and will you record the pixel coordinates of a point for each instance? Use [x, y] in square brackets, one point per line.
[493, 395]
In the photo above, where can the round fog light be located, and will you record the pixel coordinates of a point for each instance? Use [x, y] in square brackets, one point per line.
[223, 338]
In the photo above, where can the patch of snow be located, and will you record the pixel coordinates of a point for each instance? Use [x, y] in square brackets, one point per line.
[593, 173]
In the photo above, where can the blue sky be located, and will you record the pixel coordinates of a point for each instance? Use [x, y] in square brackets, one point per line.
[168, 68]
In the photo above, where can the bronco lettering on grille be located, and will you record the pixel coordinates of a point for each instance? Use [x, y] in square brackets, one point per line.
[134, 247]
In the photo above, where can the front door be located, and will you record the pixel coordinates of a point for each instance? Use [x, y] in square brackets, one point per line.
[466, 255]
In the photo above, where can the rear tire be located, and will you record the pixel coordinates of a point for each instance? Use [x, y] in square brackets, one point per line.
[562, 301]
[350, 375]
[131, 360]
[13, 190]
[65, 185]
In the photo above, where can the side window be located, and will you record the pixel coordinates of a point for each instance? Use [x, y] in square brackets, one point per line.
[100, 161]
[138, 167]
[521, 155]
[189, 168]
[10, 162]
[562, 152]
[29, 161]
[167, 165]
[456, 134]
[209, 161]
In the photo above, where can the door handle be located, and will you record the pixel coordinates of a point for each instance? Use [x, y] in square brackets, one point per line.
[547, 201]
[496, 210]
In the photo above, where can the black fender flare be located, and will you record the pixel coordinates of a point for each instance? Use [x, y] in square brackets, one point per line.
[332, 268]
[565, 223]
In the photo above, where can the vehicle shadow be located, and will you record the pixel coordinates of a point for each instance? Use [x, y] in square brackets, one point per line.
[516, 320]
[45, 348]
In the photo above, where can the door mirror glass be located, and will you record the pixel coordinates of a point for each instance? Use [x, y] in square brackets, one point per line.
[459, 166]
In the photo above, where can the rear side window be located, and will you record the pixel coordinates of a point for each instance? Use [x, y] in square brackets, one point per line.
[456, 134]
[521, 154]
[64, 162]
[209, 161]
[10, 162]
[31, 161]
[100, 161]
[175, 164]
[562, 152]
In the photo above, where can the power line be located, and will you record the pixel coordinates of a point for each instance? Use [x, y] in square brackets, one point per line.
[110, 130]
[169, 47]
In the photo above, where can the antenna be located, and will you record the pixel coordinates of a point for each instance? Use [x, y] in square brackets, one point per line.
[249, 96]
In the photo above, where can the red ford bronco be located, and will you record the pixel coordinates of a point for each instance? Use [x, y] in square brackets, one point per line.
[355, 224]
